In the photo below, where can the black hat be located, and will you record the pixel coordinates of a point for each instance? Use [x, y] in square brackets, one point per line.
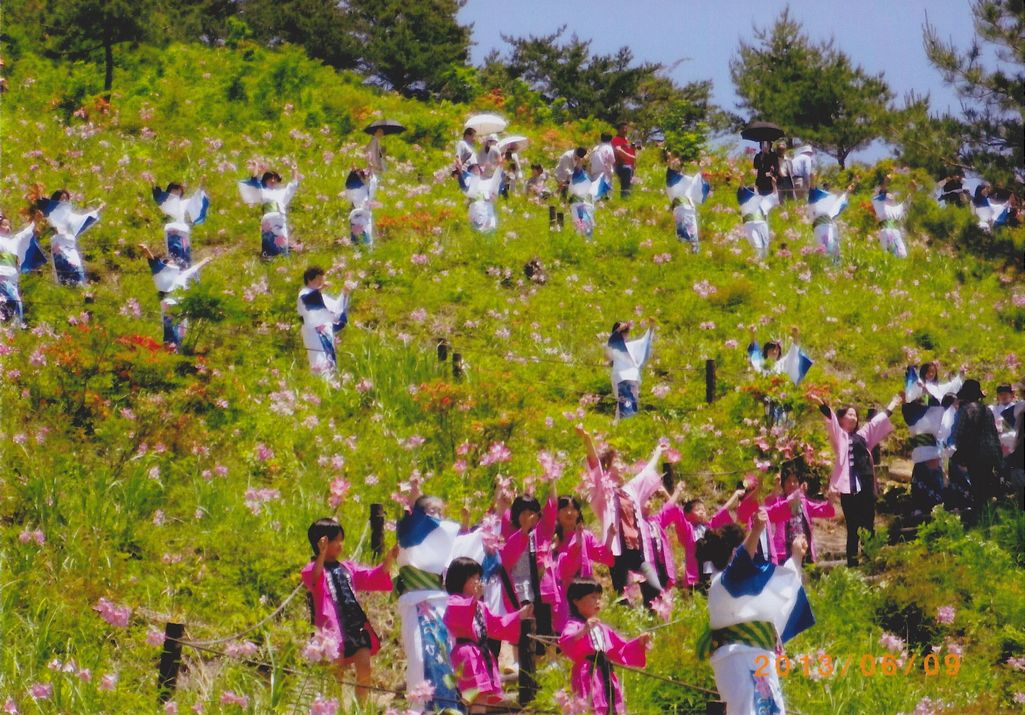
[971, 391]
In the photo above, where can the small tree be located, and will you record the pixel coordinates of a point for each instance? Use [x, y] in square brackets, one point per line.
[80, 28]
[602, 86]
[323, 29]
[993, 101]
[412, 45]
[811, 90]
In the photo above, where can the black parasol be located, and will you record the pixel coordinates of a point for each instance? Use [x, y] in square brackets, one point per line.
[390, 126]
[762, 132]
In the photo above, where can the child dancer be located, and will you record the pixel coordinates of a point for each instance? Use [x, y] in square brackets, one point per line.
[184, 213]
[824, 207]
[332, 587]
[594, 648]
[274, 225]
[691, 522]
[792, 515]
[323, 319]
[576, 552]
[68, 226]
[470, 624]
[19, 253]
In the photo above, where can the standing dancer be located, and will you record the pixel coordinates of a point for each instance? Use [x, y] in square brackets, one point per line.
[268, 190]
[19, 253]
[184, 213]
[824, 207]
[891, 219]
[753, 608]
[68, 225]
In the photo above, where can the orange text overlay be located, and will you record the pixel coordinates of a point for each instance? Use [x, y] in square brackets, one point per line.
[866, 665]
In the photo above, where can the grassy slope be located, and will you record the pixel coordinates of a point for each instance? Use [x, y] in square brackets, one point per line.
[118, 438]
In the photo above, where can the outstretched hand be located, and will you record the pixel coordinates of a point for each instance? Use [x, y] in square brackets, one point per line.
[799, 548]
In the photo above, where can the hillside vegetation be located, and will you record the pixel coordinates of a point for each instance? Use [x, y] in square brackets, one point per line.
[181, 485]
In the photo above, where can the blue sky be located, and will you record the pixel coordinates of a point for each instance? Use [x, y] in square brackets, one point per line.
[880, 35]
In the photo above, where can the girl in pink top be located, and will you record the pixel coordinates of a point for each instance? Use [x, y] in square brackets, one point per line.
[594, 648]
[470, 623]
[332, 587]
[791, 516]
[575, 552]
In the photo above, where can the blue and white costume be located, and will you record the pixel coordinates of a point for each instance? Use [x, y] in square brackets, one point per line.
[891, 220]
[583, 194]
[274, 224]
[481, 192]
[755, 208]
[68, 225]
[824, 207]
[628, 358]
[686, 193]
[19, 253]
[184, 214]
[172, 281]
[361, 219]
[323, 318]
[753, 608]
[427, 546]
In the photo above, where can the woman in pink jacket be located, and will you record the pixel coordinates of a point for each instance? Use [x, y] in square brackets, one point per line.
[853, 475]
[594, 648]
[332, 586]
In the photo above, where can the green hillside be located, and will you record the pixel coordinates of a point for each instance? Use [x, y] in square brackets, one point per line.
[181, 485]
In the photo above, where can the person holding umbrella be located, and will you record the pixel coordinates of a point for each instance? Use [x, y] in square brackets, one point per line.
[766, 164]
[374, 151]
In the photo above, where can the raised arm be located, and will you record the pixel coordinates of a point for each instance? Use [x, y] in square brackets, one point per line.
[758, 525]
[592, 455]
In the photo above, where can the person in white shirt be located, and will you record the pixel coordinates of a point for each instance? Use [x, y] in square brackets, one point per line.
[803, 167]
[488, 157]
[569, 161]
[603, 159]
[464, 149]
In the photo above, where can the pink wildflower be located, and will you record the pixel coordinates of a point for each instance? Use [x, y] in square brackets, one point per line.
[112, 613]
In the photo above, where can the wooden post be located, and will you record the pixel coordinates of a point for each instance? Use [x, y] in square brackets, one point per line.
[377, 529]
[560, 218]
[709, 381]
[457, 365]
[551, 218]
[527, 680]
[442, 350]
[170, 661]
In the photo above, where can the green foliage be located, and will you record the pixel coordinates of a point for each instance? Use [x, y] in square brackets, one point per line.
[412, 46]
[811, 90]
[993, 125]
[80, 28]
[323, 29]
[608, 87]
